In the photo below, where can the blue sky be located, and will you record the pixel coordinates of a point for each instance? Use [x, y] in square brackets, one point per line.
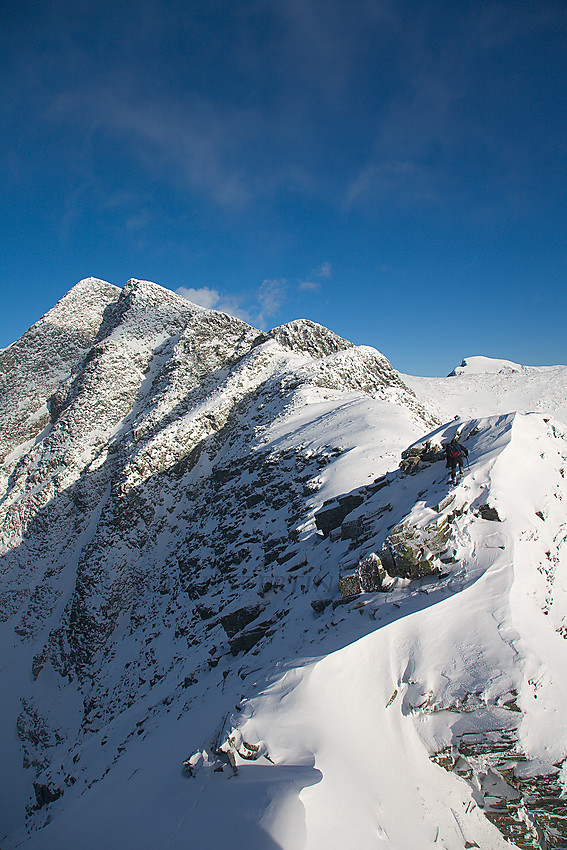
[393, 170]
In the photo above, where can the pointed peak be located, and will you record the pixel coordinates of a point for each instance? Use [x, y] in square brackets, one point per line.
[94, 284]
[308, 336]
[82, 305]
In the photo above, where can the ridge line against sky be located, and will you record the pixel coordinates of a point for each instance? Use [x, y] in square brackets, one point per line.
[391, 170]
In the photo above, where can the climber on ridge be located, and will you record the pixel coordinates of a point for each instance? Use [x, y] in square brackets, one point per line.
[455, 453]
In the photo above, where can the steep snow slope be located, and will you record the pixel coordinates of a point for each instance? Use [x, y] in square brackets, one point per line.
[482, 386]
[173, 547]
[490, 657]
[472, 657]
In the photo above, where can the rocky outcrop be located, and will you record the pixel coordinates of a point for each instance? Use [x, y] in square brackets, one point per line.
[237, 620]
[523, 798]
[309, 337]
[412, 552]
[420, 456]
[335, 511]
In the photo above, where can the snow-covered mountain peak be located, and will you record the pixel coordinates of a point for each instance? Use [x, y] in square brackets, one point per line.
[213, 551]
[145, 309]
[480, 365]
[484, 386]
[308, 336]
[81, 306]
[35, 365]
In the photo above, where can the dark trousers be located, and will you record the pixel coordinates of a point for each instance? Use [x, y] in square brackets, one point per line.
[453, 463]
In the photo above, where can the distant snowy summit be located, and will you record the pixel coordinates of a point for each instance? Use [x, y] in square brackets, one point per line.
[488, 386]
[480, 365]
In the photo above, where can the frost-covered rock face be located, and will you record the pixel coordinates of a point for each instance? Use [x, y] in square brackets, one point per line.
[184, 496]
[313, 339]
[34, 366]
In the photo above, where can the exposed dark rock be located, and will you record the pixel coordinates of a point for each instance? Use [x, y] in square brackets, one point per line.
[45, 795]
[371, 573]
[378, 485]
[287, 556]
[350, 586]
[350, 501]
[304, 335]
[489, 513]
[526, 806]
[345, 600]
[352, 529]
[332, 515]
[238, 620]
[411, 464]
[248, 639]
[319, 605]
[410, 551]
[419, 455]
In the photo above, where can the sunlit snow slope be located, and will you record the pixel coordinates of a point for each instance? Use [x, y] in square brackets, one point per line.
[484, 386]
[180, 666]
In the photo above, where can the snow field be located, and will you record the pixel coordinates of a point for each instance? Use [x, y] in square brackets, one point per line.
[369, 715]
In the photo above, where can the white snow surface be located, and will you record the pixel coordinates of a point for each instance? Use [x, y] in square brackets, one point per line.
[484, 386]
[343, 708]
[479, 364]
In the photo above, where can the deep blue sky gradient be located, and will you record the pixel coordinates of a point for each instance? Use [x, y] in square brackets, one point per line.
[393, 170]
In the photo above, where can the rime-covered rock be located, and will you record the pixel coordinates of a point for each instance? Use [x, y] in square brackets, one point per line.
[34, 366]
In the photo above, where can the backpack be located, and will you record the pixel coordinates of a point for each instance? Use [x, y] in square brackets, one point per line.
[453, 450]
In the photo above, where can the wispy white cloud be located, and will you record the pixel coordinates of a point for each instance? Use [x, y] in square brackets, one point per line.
[437, 119]
[212, 299]
[256, 307]
[138, 221]
[309, 286]
[324, 270]
[270, 296]
[215, 134]
[323, 43]
[320, 272]
[330, 101]
[204, 297]
[406, 181]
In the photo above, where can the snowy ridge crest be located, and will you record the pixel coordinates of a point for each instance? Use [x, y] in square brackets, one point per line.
[178, 540]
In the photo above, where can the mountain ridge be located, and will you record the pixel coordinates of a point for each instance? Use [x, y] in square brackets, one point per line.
[175, 538]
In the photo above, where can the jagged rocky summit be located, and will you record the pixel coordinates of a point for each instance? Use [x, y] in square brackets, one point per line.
[182, 499]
